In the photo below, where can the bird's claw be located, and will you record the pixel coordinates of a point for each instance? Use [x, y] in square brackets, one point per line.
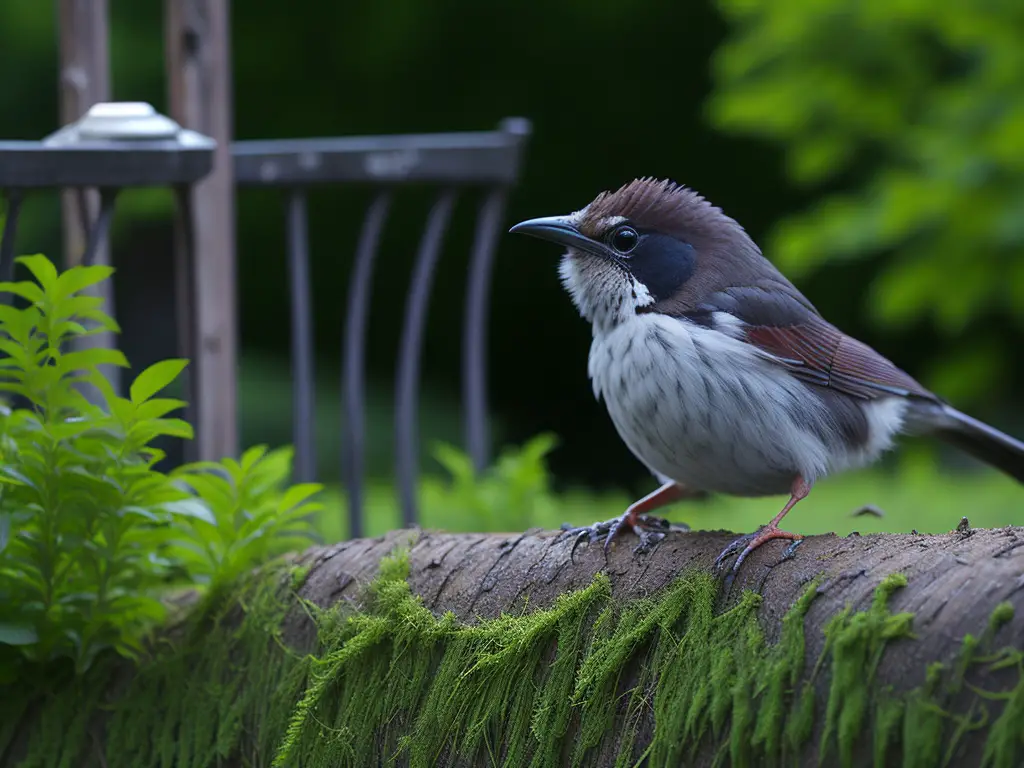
[649, 529]
[749, 542]
[735, 546]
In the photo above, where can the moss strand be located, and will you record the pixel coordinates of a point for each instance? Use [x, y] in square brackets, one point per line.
[391, 683]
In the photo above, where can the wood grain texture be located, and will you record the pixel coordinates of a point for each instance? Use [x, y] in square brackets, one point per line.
[198, 62]
[954, 582]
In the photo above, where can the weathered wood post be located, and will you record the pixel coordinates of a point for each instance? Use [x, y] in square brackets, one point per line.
[198, 63]
[84, 81]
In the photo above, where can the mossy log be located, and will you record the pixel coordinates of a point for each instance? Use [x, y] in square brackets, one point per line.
[424, 649]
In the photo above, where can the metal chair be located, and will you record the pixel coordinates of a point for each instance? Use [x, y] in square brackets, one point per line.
[122, 145]
[487, 161]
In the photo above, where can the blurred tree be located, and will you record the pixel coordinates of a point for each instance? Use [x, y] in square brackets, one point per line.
[909, 115]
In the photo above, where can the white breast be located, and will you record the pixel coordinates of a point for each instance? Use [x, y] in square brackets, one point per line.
[739, 425]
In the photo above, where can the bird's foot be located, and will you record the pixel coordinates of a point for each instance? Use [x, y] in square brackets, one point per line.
[648, 528]
[751, 541]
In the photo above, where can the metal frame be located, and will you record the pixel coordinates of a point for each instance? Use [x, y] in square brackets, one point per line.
[487, 162]
[73, 159]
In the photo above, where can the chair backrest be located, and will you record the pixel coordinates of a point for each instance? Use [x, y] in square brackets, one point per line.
[488, 161]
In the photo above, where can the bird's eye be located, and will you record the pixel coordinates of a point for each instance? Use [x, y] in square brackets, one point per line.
[624, 239]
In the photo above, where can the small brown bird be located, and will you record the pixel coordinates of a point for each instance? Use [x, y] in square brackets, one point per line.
[718, 374]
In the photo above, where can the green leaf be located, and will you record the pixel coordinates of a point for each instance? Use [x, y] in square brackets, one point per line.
[18, 353]
[101, 318]
[75, 305]
[216, 492]
[157, 407]
[193, 508]
[145, 431]
[68, 328]
[25, 289]
[11, 318]
[78, 278]
[101, 383]
[41, 268]
[138, 512]
[175, 428]
[198, 467]
[455, 461]
[155, 378]
[17, 634]
[298, 494]
[85, 359]
[251, 456]
[15, 475]
[73, 428]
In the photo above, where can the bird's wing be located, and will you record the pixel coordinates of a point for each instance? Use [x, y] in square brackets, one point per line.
[788, 328]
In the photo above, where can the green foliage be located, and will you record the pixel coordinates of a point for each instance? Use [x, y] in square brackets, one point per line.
[915, 111]
[254, 517]
[512, 494]
[91, 533]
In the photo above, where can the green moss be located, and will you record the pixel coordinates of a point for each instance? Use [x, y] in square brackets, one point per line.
[299, 574]
[218, 690]
[391, 682]
[856, 642]
[222, 684]
[1002, 614]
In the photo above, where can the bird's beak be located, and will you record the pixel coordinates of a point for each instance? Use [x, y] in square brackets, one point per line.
[556, 229]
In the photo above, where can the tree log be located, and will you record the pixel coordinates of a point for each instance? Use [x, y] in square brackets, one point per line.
[480, 649]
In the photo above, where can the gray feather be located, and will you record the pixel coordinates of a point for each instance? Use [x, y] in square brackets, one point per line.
[970, 435]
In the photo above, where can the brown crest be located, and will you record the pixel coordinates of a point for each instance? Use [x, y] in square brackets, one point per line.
[664, 206]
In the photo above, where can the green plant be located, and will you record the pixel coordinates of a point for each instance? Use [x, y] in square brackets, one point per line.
[513, 494]
[91, 533]
[253, 518]
[911, 118]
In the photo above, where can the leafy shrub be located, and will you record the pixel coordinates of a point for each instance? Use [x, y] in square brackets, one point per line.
[91, 534]
[910, 116]
[513, 494]
[251, 520]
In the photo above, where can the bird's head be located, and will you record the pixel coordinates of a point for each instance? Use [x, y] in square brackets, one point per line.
[650, 244]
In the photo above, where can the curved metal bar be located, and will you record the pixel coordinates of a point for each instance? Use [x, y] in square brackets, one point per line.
[354, 357]
[474, 331]
[410, 349]
[10, 231]
[97, 233]
[303, 391]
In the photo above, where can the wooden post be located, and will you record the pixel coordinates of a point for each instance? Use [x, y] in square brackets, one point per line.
[84, 81]
[198, 61]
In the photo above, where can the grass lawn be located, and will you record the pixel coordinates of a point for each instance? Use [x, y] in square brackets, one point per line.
[922, 497]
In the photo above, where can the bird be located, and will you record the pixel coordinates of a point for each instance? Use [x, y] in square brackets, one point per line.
[718, 374]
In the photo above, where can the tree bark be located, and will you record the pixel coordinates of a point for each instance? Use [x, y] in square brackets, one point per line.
[954, 583]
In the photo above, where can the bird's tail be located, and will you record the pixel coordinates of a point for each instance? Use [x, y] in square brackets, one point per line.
[968, 434]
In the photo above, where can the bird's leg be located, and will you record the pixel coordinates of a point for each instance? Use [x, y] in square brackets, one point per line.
[636, 517]
[752, 541]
